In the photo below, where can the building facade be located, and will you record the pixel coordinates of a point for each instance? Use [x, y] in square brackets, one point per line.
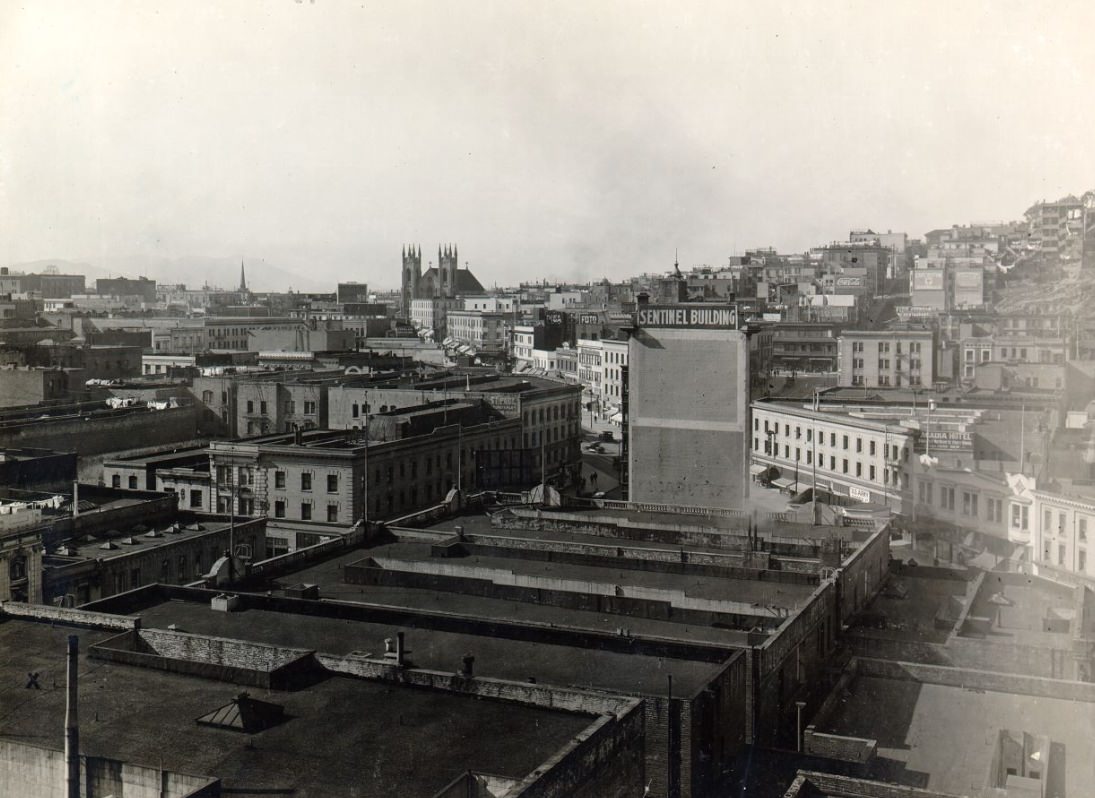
[688, 386]
[883, 359]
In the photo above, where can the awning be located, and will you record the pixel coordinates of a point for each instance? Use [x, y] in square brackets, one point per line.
[783, 482]
[757, 469]
[616, 418]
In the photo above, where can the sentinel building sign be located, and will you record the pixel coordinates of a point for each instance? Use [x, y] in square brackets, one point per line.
[702, 317]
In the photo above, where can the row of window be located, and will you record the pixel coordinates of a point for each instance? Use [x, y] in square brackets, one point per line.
[890, 476]
[893, 451]
[971, 502]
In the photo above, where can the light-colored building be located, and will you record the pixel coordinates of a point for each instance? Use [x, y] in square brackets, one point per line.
[492, 304]
[614, 368]
[431, 314]
[524, 341]
[482, 330]
[163, 364]
[864, 459]
[591, 370]
[883, 359]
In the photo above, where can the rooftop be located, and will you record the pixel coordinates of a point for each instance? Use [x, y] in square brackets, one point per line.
[495, 656]
[339, 731]
[128, 538]
[328, 575]
[942, 737]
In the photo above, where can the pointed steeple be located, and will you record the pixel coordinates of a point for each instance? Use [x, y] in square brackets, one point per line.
[243, 278]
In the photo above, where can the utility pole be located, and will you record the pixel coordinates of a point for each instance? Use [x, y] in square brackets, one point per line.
[72, 720]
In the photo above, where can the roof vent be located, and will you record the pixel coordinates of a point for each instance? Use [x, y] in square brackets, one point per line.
[110, 545]
[244, 714]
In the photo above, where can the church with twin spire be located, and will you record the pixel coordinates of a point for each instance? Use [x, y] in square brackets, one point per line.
[444, 281]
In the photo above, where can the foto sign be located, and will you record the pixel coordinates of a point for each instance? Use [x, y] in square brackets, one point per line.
[688, 316]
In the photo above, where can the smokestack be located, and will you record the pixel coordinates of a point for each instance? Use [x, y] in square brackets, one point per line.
[75, 498]
[399, 648]
[72, 723]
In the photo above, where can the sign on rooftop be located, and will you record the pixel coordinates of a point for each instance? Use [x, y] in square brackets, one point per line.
[688, 316]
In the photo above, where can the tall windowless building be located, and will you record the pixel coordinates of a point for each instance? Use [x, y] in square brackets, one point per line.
[688, 406]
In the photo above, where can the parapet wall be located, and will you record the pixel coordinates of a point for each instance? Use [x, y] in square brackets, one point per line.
[649, 645]
[235, 661]
[545, 696]
[976, 679]
[47, 613]
[963, 652]
[106, 432]
[29, 771]
[808, 784]
[623, 600]
[726, 565]
[837, 746]
[605, 759]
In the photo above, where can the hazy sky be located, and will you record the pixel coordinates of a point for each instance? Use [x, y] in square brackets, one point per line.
[574, 140]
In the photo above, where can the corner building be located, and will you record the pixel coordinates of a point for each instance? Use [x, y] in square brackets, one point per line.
[688, 405]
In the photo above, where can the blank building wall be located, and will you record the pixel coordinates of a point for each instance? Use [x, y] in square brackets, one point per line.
[688, 413]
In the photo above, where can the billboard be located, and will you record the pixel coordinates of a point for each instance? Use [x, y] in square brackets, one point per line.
[927, 280]
[969, 279]
[849, 282]
[948, 440]
[696, 317]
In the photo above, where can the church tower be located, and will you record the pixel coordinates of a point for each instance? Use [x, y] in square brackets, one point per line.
[447, 264]
[412, 273]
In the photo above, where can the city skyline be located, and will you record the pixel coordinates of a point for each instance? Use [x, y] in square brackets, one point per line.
[566, 143]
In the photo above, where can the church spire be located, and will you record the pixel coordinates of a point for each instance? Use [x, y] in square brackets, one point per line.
[243, 278]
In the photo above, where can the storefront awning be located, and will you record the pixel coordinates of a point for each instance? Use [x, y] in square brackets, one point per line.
[757, 469]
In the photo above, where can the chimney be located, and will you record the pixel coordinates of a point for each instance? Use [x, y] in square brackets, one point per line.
[72, 723]
[399, 651]
[468, 666]
[298, 436]
[75, 498]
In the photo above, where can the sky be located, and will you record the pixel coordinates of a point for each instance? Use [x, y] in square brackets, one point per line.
[571, 140]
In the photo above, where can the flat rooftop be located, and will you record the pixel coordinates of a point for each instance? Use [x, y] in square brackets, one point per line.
[328, 575]
[671, 521]
[912, 617]
[783, 594]
[942, 738]
[1018, 606]
[342, 736]
[497, 657]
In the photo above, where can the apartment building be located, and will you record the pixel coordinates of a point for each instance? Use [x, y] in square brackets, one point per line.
[614, 369]
[591, 369]
[308, 484]
[863, 459]
[883, 359]
[483, 331]
[548, 410]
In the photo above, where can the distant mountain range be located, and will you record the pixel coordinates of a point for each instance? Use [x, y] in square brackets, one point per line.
[193, 271]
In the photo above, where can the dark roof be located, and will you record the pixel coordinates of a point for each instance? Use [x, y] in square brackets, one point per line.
[466, 282]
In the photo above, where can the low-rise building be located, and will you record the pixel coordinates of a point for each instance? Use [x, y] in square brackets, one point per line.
[484, 331]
